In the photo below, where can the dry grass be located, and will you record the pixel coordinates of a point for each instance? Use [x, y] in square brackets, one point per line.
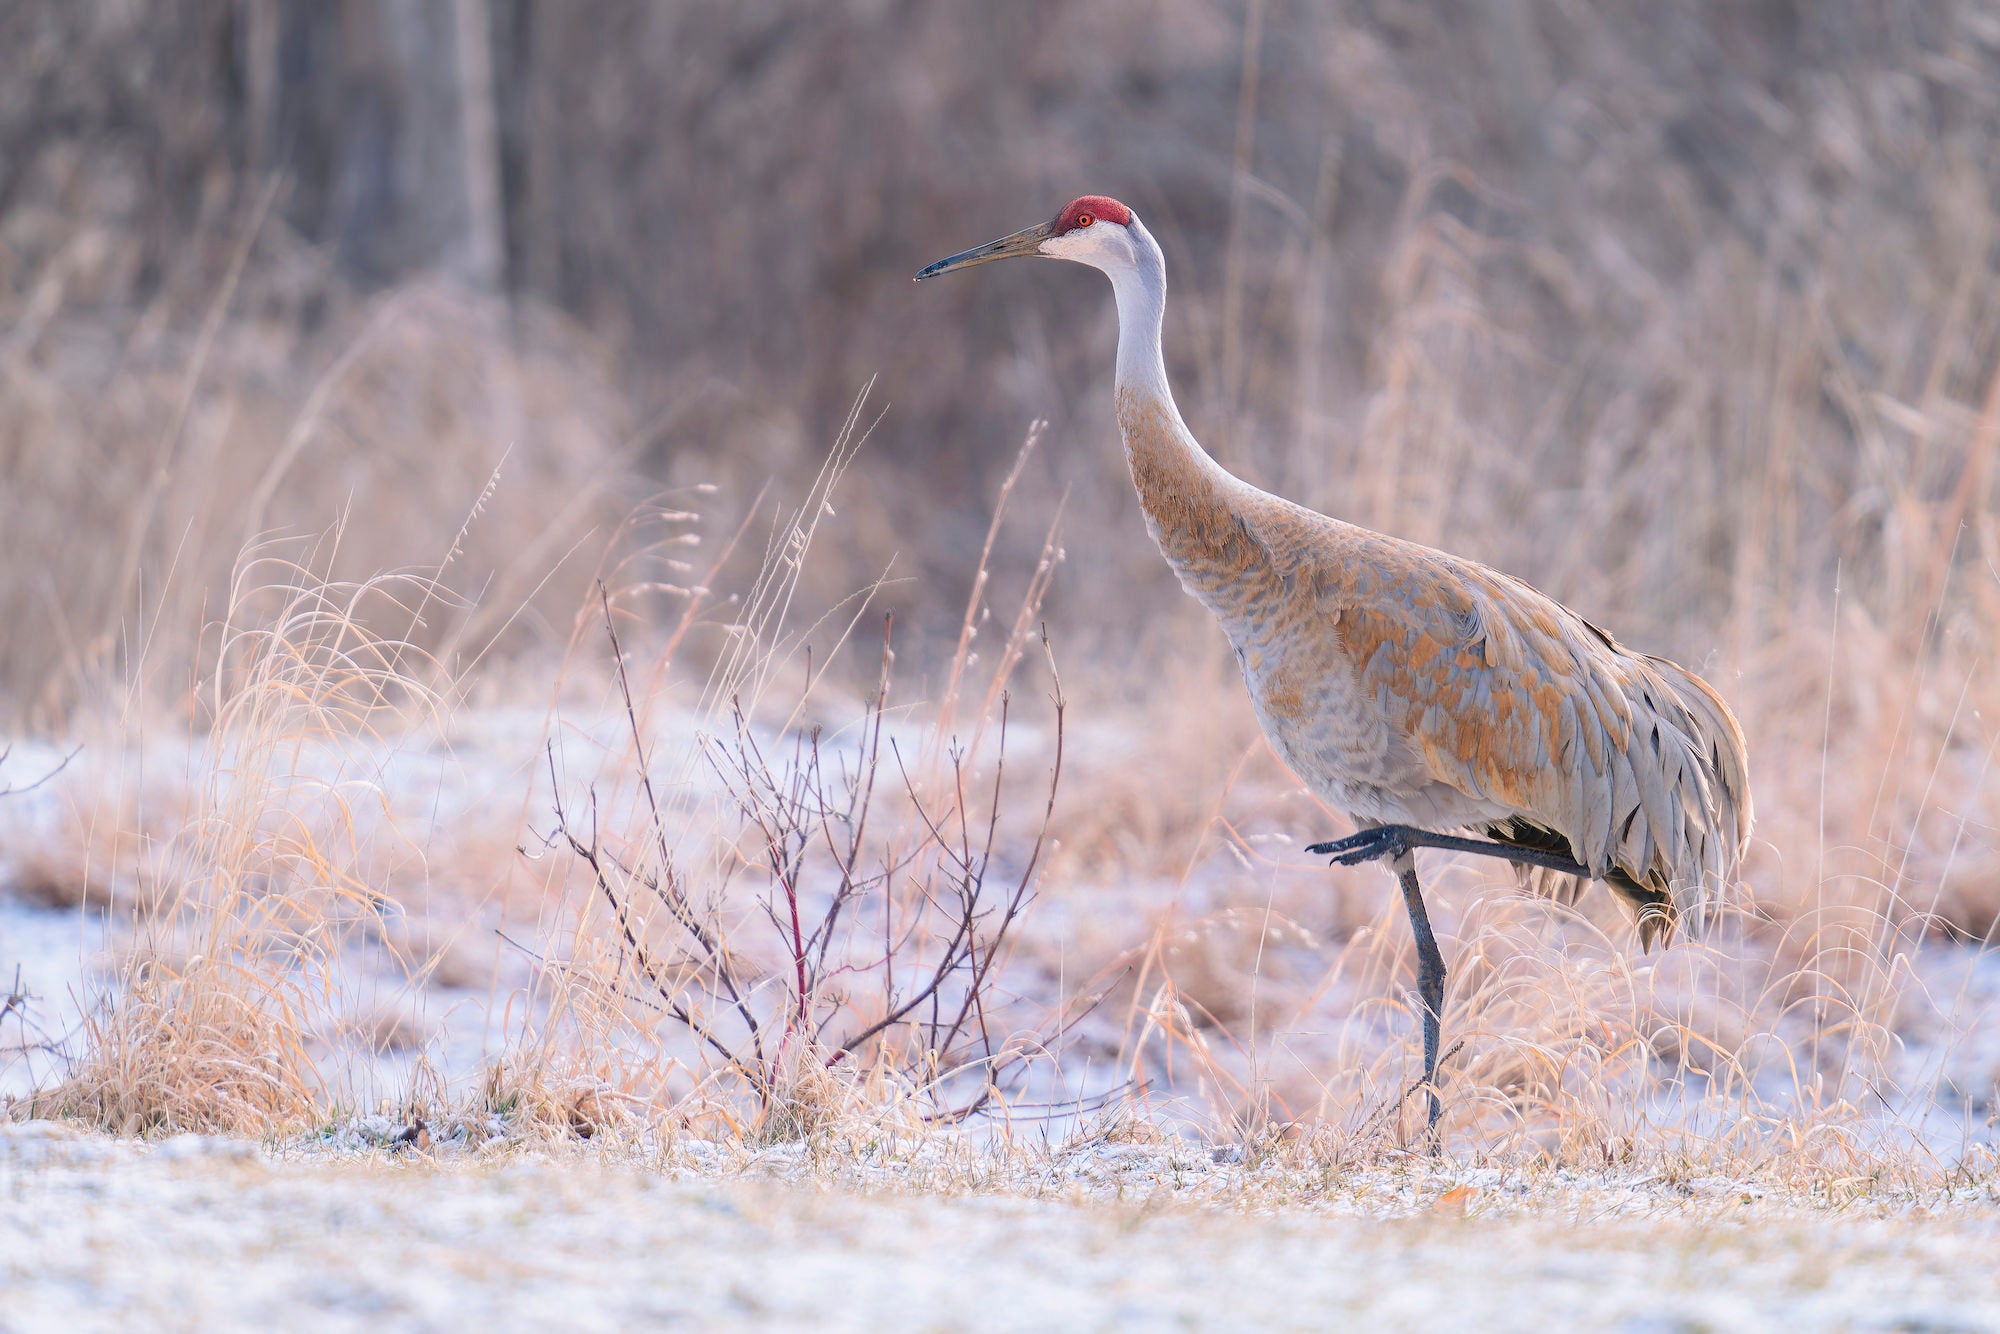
[392, 420]
[211, 1016]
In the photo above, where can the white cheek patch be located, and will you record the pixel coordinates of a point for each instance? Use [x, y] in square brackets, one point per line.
[1084, 244]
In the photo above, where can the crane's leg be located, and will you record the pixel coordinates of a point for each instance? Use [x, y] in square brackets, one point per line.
[1430, 983]
[1398, 843]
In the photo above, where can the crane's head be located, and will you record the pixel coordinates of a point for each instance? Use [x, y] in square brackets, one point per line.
[1095, 230]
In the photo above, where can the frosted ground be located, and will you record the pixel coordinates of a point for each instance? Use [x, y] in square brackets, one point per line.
[197, 1233]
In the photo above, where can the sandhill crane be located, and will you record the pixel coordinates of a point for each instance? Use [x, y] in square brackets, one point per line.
[1418, 691]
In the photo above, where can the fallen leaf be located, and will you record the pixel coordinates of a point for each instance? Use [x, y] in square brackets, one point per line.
[1458, 1197]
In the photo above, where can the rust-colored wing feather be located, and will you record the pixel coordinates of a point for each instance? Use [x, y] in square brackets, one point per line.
[1512, 699]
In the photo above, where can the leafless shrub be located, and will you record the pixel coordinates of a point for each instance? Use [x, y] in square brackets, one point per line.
[889, 947]
[834, 917]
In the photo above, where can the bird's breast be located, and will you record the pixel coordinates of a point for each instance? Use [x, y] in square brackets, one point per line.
[1322, 721]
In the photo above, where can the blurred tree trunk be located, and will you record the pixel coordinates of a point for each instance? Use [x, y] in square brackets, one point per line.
[382, 113]
[485, 253]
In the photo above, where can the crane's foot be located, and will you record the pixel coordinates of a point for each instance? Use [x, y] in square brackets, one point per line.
[1393, 840]
[1369, 845]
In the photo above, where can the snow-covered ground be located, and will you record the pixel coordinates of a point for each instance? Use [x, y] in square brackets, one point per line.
[210, 1234]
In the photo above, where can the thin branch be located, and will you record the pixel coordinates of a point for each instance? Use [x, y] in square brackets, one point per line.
[11, 791]
[666, 887]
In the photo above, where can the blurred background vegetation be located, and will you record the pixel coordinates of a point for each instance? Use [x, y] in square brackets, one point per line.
[1673, 308]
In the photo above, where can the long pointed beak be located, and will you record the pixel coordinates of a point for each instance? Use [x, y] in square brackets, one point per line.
[1025, 242]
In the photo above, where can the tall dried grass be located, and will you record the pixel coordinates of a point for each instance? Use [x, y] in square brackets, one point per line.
[137, 474]
[214, 1017]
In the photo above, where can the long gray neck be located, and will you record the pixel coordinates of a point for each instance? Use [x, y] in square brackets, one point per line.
[1187, 496]
[1141, 291]
[1147, 413]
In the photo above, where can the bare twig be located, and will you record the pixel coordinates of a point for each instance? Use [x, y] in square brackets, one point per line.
[10, 790]
[588, 853]
[665, 886]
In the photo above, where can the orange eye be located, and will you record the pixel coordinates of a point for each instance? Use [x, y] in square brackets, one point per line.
[1084, 219]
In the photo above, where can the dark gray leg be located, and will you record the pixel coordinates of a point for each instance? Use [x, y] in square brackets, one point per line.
[1430, 984]
[1396, 843]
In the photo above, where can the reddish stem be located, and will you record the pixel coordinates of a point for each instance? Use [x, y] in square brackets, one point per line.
[798, 946]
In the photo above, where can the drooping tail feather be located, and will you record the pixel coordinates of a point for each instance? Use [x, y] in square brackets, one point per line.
[1724, 757]
[1680, 807]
